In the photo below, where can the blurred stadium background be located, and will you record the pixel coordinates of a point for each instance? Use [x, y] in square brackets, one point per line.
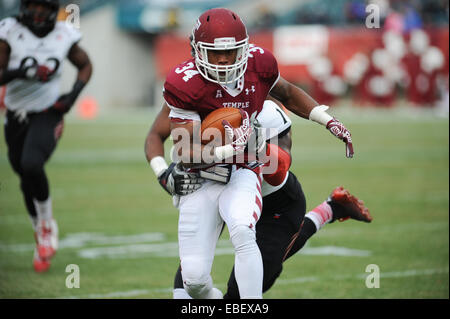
[389, 84]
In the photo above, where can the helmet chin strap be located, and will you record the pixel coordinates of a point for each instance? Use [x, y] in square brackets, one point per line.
[40, 32]
[233, 85]
[219, 78]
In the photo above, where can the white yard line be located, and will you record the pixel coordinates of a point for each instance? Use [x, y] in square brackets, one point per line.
[224, 247]
[81, 240]
[392, 274]
[152, 245]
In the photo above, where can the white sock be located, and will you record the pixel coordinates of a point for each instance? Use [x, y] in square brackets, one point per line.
[180, 293]
[44, 209]
[34, 222]
[320, 215]
[216, 294]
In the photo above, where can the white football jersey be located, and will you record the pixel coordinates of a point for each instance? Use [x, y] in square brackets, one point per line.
[275, 121]
[26, 49]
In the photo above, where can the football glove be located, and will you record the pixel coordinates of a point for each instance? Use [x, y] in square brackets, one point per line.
[238, 137]
[36, 72]
[340, 131]
[28, 72]
[176, 181]
[42, 73]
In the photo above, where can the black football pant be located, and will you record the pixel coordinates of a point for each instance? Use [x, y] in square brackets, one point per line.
[280, 233]
[30, 143]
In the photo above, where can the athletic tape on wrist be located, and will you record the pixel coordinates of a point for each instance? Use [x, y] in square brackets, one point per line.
[223, 152]
[319, 115]
[158, 164]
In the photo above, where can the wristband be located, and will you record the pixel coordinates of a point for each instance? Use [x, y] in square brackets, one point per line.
[78, 87]
[159, 165]
[223, 152]
[319, 115]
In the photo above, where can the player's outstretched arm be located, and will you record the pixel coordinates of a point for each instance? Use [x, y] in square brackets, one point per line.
[303, 105]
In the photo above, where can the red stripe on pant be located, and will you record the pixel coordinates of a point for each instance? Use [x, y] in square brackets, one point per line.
[257, 200]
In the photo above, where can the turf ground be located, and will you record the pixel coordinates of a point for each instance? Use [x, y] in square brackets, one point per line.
[119, 226]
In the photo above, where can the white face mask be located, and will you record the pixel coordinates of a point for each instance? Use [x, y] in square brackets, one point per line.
[222, 74]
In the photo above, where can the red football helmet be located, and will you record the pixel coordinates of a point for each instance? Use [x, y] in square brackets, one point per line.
[220, 29]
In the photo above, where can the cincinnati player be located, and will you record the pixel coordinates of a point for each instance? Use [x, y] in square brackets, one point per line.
[282, 229]
[33, 47]
[226, 71]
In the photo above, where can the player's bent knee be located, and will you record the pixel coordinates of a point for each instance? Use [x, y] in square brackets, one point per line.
[196, 278]
[197, 287]
[196, 290]
[31, 167]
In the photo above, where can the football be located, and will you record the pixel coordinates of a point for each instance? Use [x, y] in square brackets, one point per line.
[214, 121]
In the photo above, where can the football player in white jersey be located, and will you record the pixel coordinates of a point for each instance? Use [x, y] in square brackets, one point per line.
[283, 228]
[33, 47]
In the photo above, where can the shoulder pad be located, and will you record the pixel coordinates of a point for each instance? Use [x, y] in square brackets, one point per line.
[5, 26]
[73, 34]
[262, 61]
[185, 83]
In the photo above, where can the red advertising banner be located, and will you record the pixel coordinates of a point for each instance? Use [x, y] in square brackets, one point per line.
[371, 63]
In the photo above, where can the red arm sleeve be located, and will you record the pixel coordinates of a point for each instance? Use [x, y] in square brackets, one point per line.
[283, 160]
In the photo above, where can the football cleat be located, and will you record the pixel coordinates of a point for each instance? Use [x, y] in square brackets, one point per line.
[39, 264]
[346, 206]
[47, 238]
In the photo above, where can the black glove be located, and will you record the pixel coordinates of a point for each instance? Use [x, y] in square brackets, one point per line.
[7, 76]
[34, 71]
[176, 181]
[66, 101]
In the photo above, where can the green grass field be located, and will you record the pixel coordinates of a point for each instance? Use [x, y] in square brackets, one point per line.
[119, 226]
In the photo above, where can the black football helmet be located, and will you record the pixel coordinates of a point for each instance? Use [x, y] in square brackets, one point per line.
[40, 24]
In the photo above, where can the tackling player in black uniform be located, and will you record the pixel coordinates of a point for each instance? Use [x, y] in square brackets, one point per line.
[283, 227]
[33, 47]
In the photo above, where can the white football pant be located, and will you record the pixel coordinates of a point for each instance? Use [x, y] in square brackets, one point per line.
[202, 213]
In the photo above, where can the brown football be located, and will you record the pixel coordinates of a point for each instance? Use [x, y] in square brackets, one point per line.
[214, 121]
